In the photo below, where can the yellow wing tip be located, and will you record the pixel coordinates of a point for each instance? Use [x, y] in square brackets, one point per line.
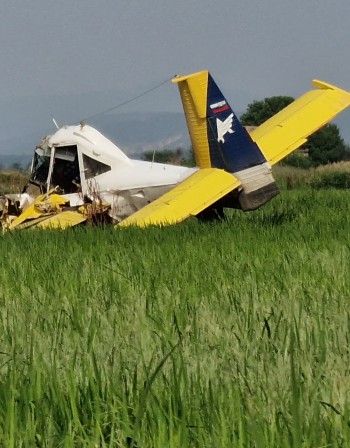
[324, 85]
[178, 78]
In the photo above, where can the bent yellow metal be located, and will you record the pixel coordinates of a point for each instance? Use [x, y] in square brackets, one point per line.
[62, 220]
[44, 205]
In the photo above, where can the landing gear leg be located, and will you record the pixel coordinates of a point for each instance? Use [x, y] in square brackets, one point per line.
[212, 214]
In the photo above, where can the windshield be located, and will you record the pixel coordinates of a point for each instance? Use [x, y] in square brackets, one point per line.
[41, 164]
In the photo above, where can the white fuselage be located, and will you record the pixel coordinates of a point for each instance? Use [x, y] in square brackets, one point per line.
[80, 155]
[132, 187]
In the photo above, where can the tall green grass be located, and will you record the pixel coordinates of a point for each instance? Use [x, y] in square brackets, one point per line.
[333, 175]
[232, 334]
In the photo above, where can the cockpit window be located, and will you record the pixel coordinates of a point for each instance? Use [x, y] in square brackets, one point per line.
[93, 167]
[41, 164]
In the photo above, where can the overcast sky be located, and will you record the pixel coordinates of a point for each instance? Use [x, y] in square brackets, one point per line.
[115, 49]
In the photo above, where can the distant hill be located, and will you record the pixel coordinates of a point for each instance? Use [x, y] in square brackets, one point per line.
[139, 132]
[134, 133]
[8, 160]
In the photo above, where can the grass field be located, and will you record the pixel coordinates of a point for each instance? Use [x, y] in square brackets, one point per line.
[231, 334]
[12, 181]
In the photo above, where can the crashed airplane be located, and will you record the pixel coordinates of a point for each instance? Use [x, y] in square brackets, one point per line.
[78, 175]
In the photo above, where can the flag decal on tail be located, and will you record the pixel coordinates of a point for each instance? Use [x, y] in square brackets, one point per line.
[221, 106]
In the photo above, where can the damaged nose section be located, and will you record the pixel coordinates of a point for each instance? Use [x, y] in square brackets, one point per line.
[9, 210]
[52, 211]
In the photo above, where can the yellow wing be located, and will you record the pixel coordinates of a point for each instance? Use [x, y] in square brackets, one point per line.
[289, 129]
[188, 198]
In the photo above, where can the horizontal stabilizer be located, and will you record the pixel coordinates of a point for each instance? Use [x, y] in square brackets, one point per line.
[188, 198]
[289, 129]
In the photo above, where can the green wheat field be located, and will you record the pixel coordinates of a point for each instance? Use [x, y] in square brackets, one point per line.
[232, 334]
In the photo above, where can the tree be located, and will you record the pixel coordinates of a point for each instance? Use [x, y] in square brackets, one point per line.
[164, 156]
[176, 156]
[259, 111]
[324, 146]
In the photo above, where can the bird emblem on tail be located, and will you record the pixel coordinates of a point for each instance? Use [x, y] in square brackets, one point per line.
[224, 127]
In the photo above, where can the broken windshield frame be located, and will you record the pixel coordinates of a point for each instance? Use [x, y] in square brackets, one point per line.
[55, 166]
[40, 167]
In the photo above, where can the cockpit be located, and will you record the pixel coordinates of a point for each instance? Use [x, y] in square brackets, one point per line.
[56, 167]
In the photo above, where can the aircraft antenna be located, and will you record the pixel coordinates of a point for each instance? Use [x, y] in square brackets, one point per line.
[55, 123]
[153, 155]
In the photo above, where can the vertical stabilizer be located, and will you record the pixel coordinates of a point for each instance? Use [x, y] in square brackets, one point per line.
[220, 141]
